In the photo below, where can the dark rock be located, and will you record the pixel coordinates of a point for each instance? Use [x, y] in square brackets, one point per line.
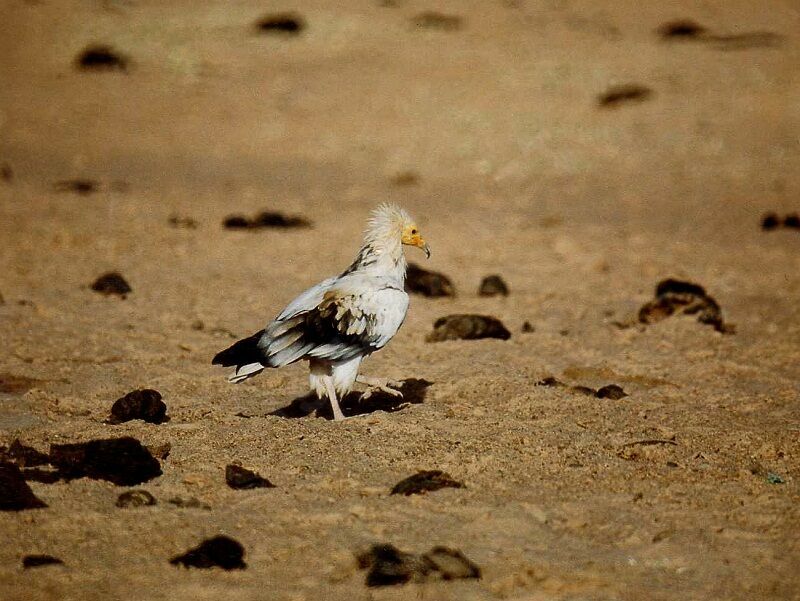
[624, 94]
[266, 219]
[35, 561]
[550, 381]
[792, 221]
[436, 20]
[771, 221]
[135, 498]
[83, 187]
[143, 404]
[6, 173]
[23, 456]
[493, 285]
[428, 283]
[451, 564]
[100, 57]
[388, 565]
[585, 390]
[425, 481]
[467, 327]
[287, 24]
[111, 283]
[123, 461]
[190, 503]
[528, 328]
[676, 296]
[15, 494]
[612, 391]
[682, 29]
[241, 478]
[220, 551]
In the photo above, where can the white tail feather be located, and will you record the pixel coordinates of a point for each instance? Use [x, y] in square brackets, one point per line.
[245, 371]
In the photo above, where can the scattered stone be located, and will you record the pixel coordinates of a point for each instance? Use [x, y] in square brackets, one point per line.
[773, 221]
[584, 390]
[612, 391]
[266, 219]
[550, 381]
[467, 327]
[145, 404]
[436, 20]
[13, 384]
[406, 178]
[387, 565]
[6, 173]
[190, 503]
[35, 561]
[83, 187]
[285, 24]
[428, 283]
[241, 478]
[23, 456]
[177, 221]
[451, 564]
[623, 94]
[122, 461]
[220, 551]
[493, 285]
[676, 296]
[681, 29]
[774, 478]
[528, 328]
[112, 283]
[15, 494]
[425, 481]
[135, 498]
[100, 57]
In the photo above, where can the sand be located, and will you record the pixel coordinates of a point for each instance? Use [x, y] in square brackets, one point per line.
[486, 124]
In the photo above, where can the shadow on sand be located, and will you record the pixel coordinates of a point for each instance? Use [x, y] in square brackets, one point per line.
[413, 390]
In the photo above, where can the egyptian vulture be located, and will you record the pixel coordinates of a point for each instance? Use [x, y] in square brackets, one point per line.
[343, 319]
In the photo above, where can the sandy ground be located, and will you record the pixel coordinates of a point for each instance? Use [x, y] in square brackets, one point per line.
[518, 171]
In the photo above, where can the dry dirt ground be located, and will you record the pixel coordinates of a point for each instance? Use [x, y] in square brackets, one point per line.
[486, 123]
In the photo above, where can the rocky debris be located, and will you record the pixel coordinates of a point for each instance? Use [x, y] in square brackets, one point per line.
[135, 498]
[493, 285]
[22, 455]
[177, 221]
[100, 57]
[677, 296]
[436, 20]
[528, 328]
[112, 283]
[6, 173]
[611, 391]
[425, 481]
[190, 503]
[13, 384]
[773, 221]
[681, 29]
[122, 461]
[388, 566]
[144, 404]
[219, 551]
[241, 478]
[467, 327]
[15, 494]
[428, 283]
[284, 24]
[623, 94]
[35, 561]
[686, 30]
[265, 219]
[83, 187]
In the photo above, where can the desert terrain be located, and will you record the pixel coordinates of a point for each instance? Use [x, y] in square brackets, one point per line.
[583, 151]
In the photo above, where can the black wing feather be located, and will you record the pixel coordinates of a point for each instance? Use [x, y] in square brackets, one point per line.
[241, 353]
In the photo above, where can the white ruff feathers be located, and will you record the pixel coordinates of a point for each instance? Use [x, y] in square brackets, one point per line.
[341, 320]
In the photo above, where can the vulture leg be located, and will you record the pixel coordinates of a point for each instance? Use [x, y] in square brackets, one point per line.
[337, 411]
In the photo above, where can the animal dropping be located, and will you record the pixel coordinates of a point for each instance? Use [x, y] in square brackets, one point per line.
[428, 283]
[467, 327]
[340, 321]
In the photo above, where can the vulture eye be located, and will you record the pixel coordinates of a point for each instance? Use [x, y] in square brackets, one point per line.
[413, 232]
